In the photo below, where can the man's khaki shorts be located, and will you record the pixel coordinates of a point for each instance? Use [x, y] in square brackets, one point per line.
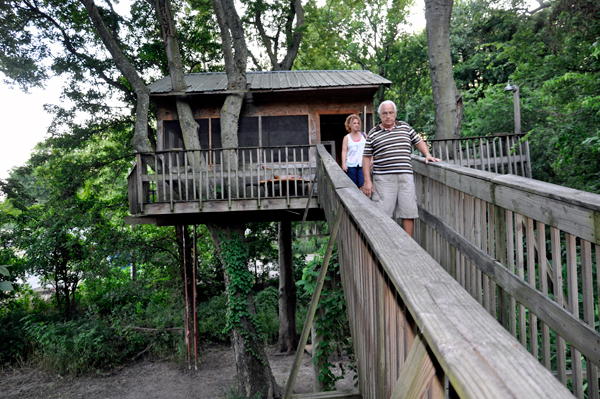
[396, 192]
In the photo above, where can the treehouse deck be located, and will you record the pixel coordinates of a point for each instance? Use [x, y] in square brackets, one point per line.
[250, 184]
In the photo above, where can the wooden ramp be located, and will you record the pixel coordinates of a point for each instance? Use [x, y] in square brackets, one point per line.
[455, 317]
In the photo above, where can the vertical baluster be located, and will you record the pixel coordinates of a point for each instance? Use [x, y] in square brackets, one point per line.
[510, 250]
[527, 159]
[469, 231]
[228, 177]
[513, 142]
[244, 174]
[273, 173]
[543, 278]
[521, 273]
[587, 289]
[296, 180]
[501, 147]
[487, 150]
[531, 279]
[495, 155]
[222, 167]
[477, 241]
[258, 165]
[177, 154]
[522, 158]
[194, 163]
[157, 177]
[573, 299]
[492, 252]
[447, 153]
[171, 178]
[468, 156]
[508, 159]
[561, 361]
[185, 175]
[302, 169]
[484, 247]
[481, 154]
[214, 168]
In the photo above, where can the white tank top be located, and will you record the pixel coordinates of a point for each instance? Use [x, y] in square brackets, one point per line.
[355, 151]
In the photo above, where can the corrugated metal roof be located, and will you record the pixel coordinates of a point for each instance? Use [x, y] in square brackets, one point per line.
[273, 80]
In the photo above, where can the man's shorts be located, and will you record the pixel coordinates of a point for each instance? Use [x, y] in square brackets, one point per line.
[395, 193]
[355, 174]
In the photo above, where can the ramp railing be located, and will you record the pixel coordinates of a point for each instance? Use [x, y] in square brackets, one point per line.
[416, 331]
[525, 250]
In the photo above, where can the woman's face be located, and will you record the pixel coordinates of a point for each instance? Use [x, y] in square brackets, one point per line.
[355, 125]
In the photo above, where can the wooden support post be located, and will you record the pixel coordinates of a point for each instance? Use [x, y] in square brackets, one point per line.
[289, 386]
[417, 373]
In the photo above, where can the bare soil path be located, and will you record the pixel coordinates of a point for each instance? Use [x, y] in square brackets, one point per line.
[214, 379]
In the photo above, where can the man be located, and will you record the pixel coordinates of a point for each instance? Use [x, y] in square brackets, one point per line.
[390, 144]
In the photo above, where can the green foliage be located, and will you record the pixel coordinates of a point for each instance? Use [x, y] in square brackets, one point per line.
[332, 324]
[266, 303]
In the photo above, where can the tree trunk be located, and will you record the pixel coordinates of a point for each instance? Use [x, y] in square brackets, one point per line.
[253, 371]
[446, 98]
[140, 141]
[316, 340]
[288, 338]
[189, 127]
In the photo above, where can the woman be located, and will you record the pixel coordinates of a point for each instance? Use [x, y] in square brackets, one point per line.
[352, 150]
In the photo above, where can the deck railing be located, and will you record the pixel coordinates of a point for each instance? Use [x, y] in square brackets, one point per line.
[224, 174]
[504, 153]
[416, 331]
[527, 251]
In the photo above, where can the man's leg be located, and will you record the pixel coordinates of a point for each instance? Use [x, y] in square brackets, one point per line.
[409, 225]
[385, 193]
[406, 207]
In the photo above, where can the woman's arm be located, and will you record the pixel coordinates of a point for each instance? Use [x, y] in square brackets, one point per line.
[344, 153]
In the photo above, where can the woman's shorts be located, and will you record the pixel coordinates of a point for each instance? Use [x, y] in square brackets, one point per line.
[355, 174]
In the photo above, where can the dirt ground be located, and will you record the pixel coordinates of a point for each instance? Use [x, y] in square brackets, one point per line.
[214, 379]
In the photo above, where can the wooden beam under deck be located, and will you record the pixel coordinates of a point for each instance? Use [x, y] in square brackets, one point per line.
[271, 209]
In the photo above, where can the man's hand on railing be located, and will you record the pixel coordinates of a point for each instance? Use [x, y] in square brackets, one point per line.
[367, 188]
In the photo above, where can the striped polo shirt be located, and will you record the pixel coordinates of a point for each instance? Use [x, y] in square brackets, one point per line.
[391, 150]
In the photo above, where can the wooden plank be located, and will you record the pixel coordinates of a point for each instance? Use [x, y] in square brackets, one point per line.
[531, 279]
[492, 252]
[573, 301]
[521, 274]
[543, 287]
[510, 264]
[414, 381]
[561, 362]
[501, 255]
[587, 282]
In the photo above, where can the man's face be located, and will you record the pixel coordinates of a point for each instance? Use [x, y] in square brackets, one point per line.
[388, 116]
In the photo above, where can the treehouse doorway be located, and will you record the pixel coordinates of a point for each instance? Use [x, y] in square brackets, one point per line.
[333, 129]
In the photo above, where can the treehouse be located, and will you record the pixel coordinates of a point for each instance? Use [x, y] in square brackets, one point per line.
[270, 176]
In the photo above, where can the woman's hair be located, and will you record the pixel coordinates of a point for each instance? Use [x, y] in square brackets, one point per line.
[349, 120]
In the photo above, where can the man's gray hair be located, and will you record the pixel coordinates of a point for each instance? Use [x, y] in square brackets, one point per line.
[385, 103]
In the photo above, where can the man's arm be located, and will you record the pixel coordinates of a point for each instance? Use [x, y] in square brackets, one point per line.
[422, 147]
[367, 188]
